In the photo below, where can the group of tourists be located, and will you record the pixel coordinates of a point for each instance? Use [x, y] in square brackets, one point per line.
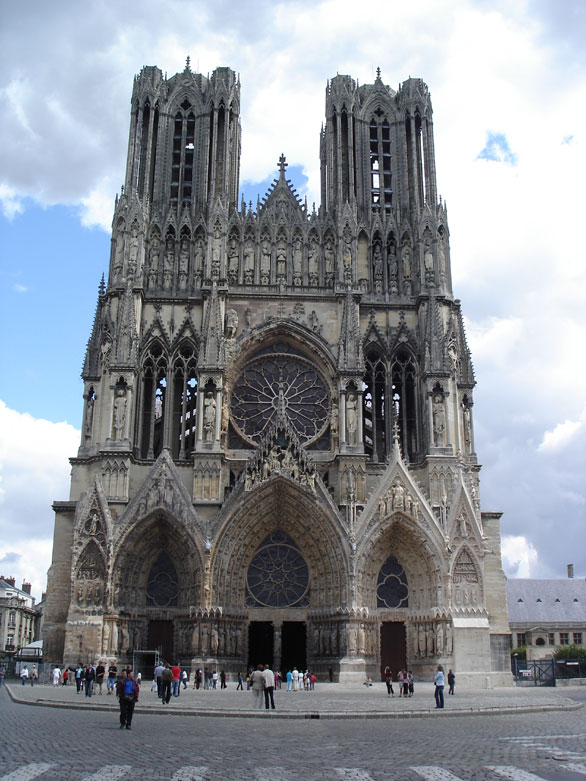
[405, 682]
[299, 681]
[167, 681]
[31, 676]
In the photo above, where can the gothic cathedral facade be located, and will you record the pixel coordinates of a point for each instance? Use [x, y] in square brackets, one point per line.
[277, 458]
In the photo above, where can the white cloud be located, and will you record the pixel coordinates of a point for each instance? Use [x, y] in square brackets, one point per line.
[34, 471]
[520, 558]
[19, 288]
[561, 435]
[10, 203]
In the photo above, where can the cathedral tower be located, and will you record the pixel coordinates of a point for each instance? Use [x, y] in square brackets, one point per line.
[277, 457]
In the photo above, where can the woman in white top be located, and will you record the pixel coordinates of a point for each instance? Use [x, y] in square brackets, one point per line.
[439, 681]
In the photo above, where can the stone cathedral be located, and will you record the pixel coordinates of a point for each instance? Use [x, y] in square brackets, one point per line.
[277, 458]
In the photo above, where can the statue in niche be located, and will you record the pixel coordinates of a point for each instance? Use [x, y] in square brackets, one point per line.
[415, 641]
[168, 262]
[352, 640]
[281, 260]
[439, 420]
[133, 252]
[313, 263]
[441, 256]
[214, 640]
[297, 261]
[467, 418]
[195, 639]
[329, 258]
[183, 262]
[136, 639]
[204, 633]
[422, 641]
[377, 261]
[439, 639]
[106, 638]
[209, 417]
[119, 256]
[392, 264]
[428, 258]
[453, 354]
[248, 262]
[124, 639]
[398, 496]
[119, 413]
[449, 639]
[233, 260]
[430, 640]
[231, 323]
[198, 258]
[216, 251]
[89, 415]
[406, 261]
[351, 419]
[154, 260]
[347, 254]
[334, 422]
[265, 261]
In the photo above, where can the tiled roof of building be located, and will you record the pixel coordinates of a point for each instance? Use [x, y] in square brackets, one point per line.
[547, 601]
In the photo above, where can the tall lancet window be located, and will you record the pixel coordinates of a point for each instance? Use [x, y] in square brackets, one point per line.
[373, 413]
[381, 189]
[153, 401]
[184, 401]
[404, 388]
[182, 159]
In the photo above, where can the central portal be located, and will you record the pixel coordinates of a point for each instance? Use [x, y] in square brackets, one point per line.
[293, 646]
[393, 647]
[161, 637]
[260, 643]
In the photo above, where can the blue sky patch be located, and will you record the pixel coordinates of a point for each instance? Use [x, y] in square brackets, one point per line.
[497, 149]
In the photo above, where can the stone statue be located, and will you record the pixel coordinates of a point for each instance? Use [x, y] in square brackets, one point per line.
[209, 417]
[214, 641]
[119, 413]
[329, 258]
[233, 260]
[406, 261]
[467, 417]
[281, 260]
[439, 639]
[231, 323]
[439, 420]
[124, 639]
[351, 419]
[119, 256]
[133, 252]
[89, 415]
[377, 261]
[449, 639]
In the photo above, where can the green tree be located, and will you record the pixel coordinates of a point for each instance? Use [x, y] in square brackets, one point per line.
[570, 652]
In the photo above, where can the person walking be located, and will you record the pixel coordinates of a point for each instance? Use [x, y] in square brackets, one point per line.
[240, 682]
[90, 677]
[111, 681]
[127, 692]
[411, 682]
[269, 682]
[389, 682]
[166, 681]
[2, 673]
[176, 670]
[24, 675]
[56, 676]
[257, 686]
[100, 673]
[289, 678]
[158, 675]
[184, 678]
[34, 676]
[439, 681]
[451, 681]
[78, 676]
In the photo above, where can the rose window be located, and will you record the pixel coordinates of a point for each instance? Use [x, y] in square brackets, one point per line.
[277, 575]
[280, 384]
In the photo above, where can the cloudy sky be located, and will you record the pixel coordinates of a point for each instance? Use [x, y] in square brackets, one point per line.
[508, 84]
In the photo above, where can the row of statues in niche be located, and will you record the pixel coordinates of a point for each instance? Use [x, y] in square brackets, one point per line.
[398, 498]
[210, 638]
[280, 461]
[119, 637]
[431, 639]
[89, 594]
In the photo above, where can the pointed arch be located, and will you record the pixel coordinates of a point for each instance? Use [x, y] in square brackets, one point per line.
[375, 418]
[405, 400]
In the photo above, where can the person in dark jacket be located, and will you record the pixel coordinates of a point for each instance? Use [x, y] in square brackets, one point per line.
[127, 691]
[451, 682]
[166, 681]
[90, 677]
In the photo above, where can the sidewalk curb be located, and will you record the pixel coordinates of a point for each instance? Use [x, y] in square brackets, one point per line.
[564, 705]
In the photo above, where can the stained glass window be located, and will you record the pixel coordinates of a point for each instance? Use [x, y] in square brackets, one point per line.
[162, 584]
[282, 383]
[277, 575]
[391, 587]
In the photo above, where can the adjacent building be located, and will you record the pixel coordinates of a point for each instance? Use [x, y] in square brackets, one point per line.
[19, 619]
[277, 460]
[546, 614]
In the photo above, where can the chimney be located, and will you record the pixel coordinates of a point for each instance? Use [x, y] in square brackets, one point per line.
[26, 587]
[570, 570]
[11, 582]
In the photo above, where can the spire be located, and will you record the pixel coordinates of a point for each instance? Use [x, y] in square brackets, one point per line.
[213, 355]
[188, 63]
[91, 366]
[126, 330]
[282, 165]
[350, 356]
